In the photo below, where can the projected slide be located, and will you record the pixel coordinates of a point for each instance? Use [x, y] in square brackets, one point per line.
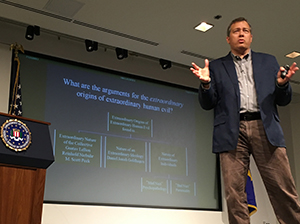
[121, 140]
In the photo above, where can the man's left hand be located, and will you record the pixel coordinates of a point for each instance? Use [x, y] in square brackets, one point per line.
[288, 76]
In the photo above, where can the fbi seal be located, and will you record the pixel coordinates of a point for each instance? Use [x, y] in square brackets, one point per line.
[15, 135]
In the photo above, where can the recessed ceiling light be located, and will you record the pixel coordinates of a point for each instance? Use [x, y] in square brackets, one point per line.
[294, 54]
[203, 27]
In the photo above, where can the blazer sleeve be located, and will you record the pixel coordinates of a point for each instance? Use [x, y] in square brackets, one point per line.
[208, 97]
[283, 95]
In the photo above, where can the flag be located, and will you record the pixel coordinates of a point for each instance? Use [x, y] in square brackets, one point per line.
[250, 195]
[15, 107]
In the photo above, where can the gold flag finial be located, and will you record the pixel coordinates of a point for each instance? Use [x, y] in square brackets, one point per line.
[17, 47]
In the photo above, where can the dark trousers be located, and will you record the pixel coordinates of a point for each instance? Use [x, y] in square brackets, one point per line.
[273, 165]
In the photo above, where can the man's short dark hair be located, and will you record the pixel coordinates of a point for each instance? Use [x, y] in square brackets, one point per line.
[239, 19]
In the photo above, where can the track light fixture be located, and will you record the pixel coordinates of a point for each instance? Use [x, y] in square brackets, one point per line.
[91, 45]
[165, 64]
[31, 31]
[121, 53]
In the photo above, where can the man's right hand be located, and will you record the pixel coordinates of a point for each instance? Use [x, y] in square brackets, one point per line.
[202, 73]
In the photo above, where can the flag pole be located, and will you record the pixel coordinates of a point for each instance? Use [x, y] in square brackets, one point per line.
[14, 93]
[17, 47]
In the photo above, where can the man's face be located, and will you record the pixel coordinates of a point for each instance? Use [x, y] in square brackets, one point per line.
[240, 37]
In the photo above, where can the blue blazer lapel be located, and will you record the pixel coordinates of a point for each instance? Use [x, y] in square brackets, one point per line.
[231, 72]
[256, 65]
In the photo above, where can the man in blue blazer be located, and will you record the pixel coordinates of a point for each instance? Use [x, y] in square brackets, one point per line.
[244, 89]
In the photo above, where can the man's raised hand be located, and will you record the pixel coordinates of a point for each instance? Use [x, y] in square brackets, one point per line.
[202, 73]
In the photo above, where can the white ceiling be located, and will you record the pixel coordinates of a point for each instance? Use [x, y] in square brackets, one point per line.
[165, 28]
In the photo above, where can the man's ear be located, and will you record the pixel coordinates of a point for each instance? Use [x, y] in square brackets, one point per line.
[228, 40]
